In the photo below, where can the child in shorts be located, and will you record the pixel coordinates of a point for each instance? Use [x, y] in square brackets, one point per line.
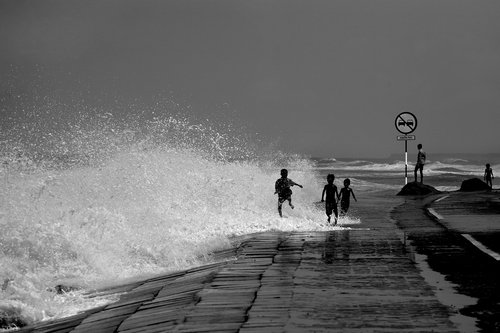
[282, 188]
[345, 197]
[332, 196]
[488, 175]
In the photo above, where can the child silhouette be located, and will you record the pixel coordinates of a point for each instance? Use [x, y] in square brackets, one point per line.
[332, 196]
[345, 197]
[282, 188]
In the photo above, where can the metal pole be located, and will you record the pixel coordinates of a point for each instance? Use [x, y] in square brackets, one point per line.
[406, 162]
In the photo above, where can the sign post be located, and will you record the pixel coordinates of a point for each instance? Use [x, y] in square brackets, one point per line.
[406, 123]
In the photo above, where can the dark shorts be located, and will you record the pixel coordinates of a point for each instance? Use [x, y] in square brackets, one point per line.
[344, 206]
[331, 207]
[419, 166]
[285, 195]
[283, 199]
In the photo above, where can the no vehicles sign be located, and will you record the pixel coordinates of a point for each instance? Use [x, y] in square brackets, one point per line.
[406, 122]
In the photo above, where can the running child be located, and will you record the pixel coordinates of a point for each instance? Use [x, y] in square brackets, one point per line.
[345, 197]
[332, 196]
[282, 188]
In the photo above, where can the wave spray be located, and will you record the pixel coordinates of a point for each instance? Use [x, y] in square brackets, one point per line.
[102, 200]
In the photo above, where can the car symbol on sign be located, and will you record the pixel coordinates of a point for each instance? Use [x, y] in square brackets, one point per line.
[403, 123]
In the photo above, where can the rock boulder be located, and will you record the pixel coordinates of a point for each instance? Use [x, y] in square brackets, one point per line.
[416, 188]
[473, 184]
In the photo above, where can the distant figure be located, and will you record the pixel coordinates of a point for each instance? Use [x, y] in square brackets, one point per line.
[421, 156]
[332, 196]
[282, 188]
[345, 197]
[488, 176]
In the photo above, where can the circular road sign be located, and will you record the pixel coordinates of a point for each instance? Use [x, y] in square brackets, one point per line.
[406, 122]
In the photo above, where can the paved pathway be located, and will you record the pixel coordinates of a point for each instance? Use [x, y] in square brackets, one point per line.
[359, 280]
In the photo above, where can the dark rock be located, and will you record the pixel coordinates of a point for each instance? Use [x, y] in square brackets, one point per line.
[10, 319]
[474, 184]
[416, 188]
[63, 289]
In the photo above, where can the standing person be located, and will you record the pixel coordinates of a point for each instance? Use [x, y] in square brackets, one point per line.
[421, 156]
[345, 197]
[332, 196]
[488, 176]
[282, 188]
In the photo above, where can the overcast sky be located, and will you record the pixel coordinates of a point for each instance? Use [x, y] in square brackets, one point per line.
[326, 78]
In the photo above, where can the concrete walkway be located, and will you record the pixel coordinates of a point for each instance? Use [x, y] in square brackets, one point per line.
[358, 280]
[474, 215]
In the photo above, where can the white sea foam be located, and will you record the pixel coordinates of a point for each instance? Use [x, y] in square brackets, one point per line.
[97, 201]
[114, 204]
[394, 168]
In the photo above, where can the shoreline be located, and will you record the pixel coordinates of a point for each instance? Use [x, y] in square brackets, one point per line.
[371, 211]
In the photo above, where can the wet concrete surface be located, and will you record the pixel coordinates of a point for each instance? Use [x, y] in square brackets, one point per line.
[339, 281]
[363, 279]
[472, 272]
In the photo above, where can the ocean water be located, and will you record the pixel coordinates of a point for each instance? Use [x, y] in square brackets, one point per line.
[445, 172]
[99, 202]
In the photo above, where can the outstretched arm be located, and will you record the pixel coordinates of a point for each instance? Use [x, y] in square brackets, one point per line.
[323, 194]
[353, 195]
[291, 183]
